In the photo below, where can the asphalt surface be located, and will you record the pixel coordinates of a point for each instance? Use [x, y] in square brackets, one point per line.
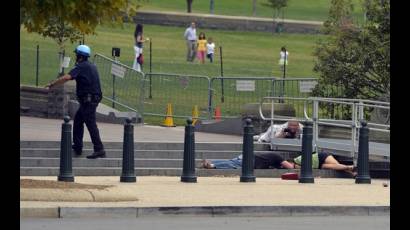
[207, 223]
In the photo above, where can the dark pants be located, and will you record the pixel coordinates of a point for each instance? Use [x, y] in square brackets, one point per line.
[86, 114]
[210, 56]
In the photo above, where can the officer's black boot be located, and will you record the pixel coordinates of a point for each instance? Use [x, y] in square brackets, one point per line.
[77, 152]
[97, 154]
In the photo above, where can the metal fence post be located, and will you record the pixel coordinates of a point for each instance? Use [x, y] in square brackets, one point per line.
[37, 61]
[210, 99]
[363, 176]
[247, 153]
[188, 171]
[66, 170]
[222, 75]
[128, 170]
[150, 69]
[306, 175]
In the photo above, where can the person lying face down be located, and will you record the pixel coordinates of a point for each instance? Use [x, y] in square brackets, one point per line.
[321, 160]
[261, 161]
[290, 129]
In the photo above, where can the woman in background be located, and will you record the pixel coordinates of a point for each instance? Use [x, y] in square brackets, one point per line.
[139, 40]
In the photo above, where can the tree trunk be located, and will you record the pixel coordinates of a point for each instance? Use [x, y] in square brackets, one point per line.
[254, 8]
[189, 4]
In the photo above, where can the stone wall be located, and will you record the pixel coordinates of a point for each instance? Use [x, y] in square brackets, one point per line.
[46, 103]
[223, 22]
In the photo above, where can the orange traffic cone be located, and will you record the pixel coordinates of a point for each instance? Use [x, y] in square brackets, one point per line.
[217, 113]
[169, 121]
[195, 114]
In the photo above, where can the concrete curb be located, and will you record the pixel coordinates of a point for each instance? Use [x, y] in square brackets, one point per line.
[210, 211]
[77, 195]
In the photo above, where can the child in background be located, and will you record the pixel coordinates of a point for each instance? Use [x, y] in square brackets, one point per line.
[210, 47]
[201, 47]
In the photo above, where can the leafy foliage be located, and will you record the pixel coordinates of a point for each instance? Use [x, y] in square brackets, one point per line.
[69, 19]
[357, 59]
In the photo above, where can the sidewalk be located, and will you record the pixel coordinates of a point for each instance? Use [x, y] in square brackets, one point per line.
[310, 22]
[212, 196]
[209, 196]
[40, 129]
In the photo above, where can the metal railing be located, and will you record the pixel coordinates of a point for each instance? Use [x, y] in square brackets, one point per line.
[357, 109]
[182, 91]
[232, 93]
[126, 89]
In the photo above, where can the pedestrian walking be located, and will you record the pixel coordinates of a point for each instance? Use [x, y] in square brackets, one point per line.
[201, 47]
[138, 47]
[89, 95]
[190, 37]
[210, 49]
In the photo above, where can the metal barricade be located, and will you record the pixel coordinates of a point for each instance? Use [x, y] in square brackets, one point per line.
[122, 86]
[312, 111]
[182, 91]
[232, 93]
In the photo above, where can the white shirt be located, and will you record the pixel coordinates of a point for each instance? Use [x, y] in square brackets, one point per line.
[272, 130]
[190, 34]
[210, 48]
[282, 55]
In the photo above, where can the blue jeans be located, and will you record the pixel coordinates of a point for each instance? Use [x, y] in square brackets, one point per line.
[228, 164]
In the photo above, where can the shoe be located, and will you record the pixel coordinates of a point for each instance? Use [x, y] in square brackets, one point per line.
[77, 152]
[98, 154]
[256, 137]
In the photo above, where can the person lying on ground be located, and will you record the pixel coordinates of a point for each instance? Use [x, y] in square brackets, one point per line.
[321, 160]
[261, 161]
[290, 129]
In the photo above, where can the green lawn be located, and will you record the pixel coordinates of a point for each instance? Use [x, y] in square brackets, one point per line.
[247, 54]
[315, 10]
[244, 53]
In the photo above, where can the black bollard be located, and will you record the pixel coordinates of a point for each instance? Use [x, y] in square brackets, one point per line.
[363, 176]
[248, 161]
[128, 170]
[66, 168]
[188, 170]
[306, 175]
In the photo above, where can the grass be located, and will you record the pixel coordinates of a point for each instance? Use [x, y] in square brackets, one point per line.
[244, 53]
[313, 10]
[250, 54]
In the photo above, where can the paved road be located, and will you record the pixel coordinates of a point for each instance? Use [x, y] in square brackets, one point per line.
[207, 223]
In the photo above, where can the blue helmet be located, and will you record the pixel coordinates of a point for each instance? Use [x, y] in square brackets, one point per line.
[83, 50]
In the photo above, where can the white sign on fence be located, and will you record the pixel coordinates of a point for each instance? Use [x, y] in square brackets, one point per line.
[117, 70]
[307, 86]
[242, 85]
[66, 62]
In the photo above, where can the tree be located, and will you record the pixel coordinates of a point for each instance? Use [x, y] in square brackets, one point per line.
[64, 20]
[211, 6]
[189, 5]
[357, 59]
[278, 7]
[254, 8]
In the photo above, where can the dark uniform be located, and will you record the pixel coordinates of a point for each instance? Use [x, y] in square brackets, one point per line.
[88, 95]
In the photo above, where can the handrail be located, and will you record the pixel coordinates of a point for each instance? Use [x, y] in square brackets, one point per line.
[354, 100]
[357, 106]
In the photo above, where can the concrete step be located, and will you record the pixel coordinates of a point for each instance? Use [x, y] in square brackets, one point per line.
[156, 154]
[116, 171]
[103, 162]
[142, 162]
[150, 145]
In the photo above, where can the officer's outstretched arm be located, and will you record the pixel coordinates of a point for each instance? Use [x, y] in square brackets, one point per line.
[59, 81]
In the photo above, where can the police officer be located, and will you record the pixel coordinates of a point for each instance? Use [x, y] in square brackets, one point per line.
[88, 95]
